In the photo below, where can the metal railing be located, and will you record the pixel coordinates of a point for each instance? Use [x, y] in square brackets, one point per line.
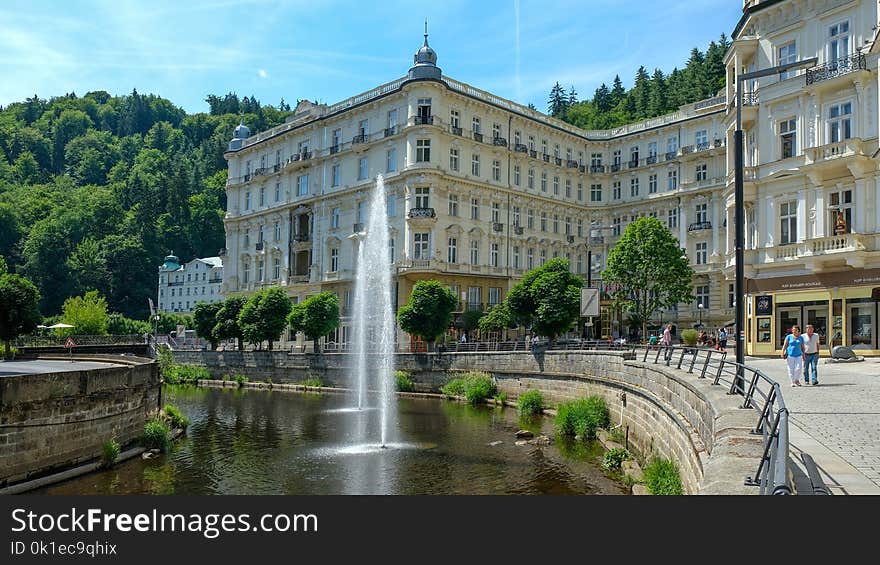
[55, 341]
[836, 68]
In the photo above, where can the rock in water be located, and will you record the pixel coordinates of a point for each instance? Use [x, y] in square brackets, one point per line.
[522, 442]
[524, 434]
[494, 443]
[540, 440]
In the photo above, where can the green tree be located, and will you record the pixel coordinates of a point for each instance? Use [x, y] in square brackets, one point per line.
[428, 314]
[205, 320]
[117, 324]
[264, 315]
[227, 326]
[650, 270]
[470, 319]
[19, 311]
[69, 125]
[316, 316]
[497, 319]
[547, 298]
[558, 102]
[87, 314]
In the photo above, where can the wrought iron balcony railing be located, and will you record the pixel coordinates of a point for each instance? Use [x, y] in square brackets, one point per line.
[597, 169]
[700, 226]
[497, 227]
[836, 68]
[520, 148]
[651, 159]
[424, 120]
[750, 98]
[455, 130]
[478, 136]
[361, 138]
[571, 164]
[422, 213]
[499, 141]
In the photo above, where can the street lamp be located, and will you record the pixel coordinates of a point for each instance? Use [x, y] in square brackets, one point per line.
[700, 308]
[739, 204]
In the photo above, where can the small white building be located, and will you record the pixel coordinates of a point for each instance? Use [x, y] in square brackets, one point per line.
[181, 287]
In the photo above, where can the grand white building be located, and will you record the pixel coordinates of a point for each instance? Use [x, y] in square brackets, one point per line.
[481, 189]
[182, 286]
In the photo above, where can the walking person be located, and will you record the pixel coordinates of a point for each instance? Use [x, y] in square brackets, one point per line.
[667, 342]
[722, 339]
[793, 353]
[811, 355]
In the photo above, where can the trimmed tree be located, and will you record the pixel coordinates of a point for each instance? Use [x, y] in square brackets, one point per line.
[205, 319]
[227, 326]
[87, 314]
[316, 316]
[19, 312]
[429, 311]
[264, 316]
[649, 269]
[547, 298]
[497, 319]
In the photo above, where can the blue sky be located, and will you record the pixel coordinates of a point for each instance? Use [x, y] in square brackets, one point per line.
[332, 49]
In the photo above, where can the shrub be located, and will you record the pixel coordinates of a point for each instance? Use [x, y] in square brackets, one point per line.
[165, 357]
[661, 477]
[475, 386]
[501, 398]
[157, 435]
[110, 452]
[185, 374]
[689, 337]
[581, 418]
[613, 459]
[175, 417]
[240, 379]
[530, 402]
[315, 382]
[454, 387]
[404, 382]
[12, 352]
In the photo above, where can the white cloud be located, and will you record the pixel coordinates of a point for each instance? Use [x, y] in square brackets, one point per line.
[262, 73]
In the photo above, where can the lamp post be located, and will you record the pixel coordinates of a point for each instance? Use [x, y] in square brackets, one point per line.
[739, 204]
[700, 308]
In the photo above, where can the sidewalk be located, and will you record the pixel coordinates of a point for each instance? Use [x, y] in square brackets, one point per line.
[837, 422]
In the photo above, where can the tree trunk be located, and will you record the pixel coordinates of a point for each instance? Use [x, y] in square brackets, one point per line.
[8, 347]
[270, 345]
[240, 344]
[316, 348]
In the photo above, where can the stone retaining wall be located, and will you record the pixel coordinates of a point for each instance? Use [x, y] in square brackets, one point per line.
[52, 421]
[667, 412]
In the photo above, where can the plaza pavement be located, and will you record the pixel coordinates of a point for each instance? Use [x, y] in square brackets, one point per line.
[12, 368]
[837, 422]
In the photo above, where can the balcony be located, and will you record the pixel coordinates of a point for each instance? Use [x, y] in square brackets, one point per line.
[301, 237]
[545, 157]
[571, 164]
[259, 172]
[390, 131]
[569, 238]
[836, 68]
[615, 167]
[276, 167]
[520, 148]
[455, 130]
[845, 243]
[361, 138]
[305, 155]
[260, 246]
[424, 120]
[633, 164]
[518, 230]
[533, 154]
[295, 279]
[478, 136]
[670, 155]
[558, 161]
[334, 149]
[597, 169]
[357, 228]
[696, 226]
[247, 177]
[499, 142]
[597, 240]
[293, 158]
[835, 150]
[497, 227]
[421, 213]
[650, 159]
[582, 169]
[215, 281]
[687, 149]
[750, 98]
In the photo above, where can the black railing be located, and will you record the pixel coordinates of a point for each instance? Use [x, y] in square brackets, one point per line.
[424, 120]
[499, 141]
[571, 164]
[422, 213]
[705, 145]
[455, 130]
[390, 131]
[306, 155]
[670, 155]
[700, 226]
[215, 281]
[651, 159]
[334, 149]
[520, 148]
[633, 163]
[276, 167]
[836, 68]
[615, 167]
[582, 168]
[597, 169]
[569, 238]
[546, 157]
[533, 154]
[361, 138]
[54, 340]
[358, 227]
[301, 237]
[750, 98]
[518, 230]
[259, 246]
[478, 136]
[558, 161]
[497, 227]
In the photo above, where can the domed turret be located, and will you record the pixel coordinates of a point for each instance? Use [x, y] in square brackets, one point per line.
[425, 61]
[240, 133]
[172, 262]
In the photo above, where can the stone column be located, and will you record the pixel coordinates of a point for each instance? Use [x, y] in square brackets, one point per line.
[820, 212]
[765, 224]
[716, 224]
[407, 230]
[683, 223]
[802, 215]
[860, 212]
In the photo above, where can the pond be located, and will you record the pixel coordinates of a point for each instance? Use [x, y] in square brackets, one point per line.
[245, 441]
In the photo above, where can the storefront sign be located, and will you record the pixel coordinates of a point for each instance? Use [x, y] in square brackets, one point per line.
[860, 277]
[764, 306]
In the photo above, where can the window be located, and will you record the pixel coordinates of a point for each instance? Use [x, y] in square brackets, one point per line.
[262, 233]
[555, 223]
[595, 193]
[421, 250]
[634, 186]
[276, 271]
[475, 165]
[840, 202]
[731, 295]
[787, 137]
[838, 44]
[544, 147]
[423, 151]
[454, 119]
[701, 139]
[475, 252]
[247, 200]
[475, 297]
[672, 146]
[580, 192]
[652, 184]
[652, 149]
[616, 158]
[531, 181]
[262, 196]
[596, 161]
[556, 151]
[516, 257]
[672, 180]
[496, 170]
[516, 215]
[247, 237]
[334, 260]
[496, 212]
[580, 264]
[452, 250]
[702, 213]
[567, 225]
[422, 197]
[277, 192]
[788, 222]
[556, 186]
[516, 175]
[530, 219]
[392, 121]
[702, 292]
[840, 122]
[302, 185]
[361, 211]
[517, 138]
[277, 231]
[494, 295]
[580, 228]
[530, 259]
[246, 271]
[453, 205]
[568, 188]
[364, 129]
[702, 249]
[531, 142]
[475, 208]
[335, 175]
[453, 159]
[493, 254]
[475, 125]
[633, 156]
[542, 258]
[391, 160]
[615, 190]
[362, 168]
[615, 227]
[496, 131]
[543, 221]
[787, 54]
[701, 172]
[391, 205]
[543, 181]
[337, 139]
[334, 222]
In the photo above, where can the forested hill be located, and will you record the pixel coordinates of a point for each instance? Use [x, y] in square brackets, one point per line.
[651, 95]
[95, 190]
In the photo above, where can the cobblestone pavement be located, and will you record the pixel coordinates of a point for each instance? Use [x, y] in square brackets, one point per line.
[837, 422]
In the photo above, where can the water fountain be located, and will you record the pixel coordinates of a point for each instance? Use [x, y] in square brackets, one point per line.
[374, 318]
